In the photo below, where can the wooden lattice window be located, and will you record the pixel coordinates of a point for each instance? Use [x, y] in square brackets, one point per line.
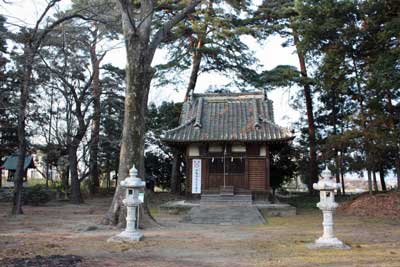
[232, 166]
[216, 165]
[235, 165]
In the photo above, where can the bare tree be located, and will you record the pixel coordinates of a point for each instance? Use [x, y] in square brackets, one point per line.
[32, 43]
[141, 41]
[76, 78]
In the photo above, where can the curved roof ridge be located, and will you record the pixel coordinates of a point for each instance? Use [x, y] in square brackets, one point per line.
[197, 123]
[286, 129]
[186, 123]
[241, 117]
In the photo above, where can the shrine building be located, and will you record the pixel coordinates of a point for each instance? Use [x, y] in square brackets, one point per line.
[227, 141]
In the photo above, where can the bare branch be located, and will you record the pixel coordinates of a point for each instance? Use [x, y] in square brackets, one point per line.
[48, 29]
[44, 13]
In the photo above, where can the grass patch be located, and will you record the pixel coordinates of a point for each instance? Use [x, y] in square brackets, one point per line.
[154, 211]
[33, 182]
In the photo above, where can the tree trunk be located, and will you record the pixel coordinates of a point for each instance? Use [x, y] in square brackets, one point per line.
[95, 133]
[375, 182]
[343, 186]
[138, 77]
[369, 182]
[197, 45]
[392, 120]
[49, 137]
[23, 102]
[174, 173]
[179, 175]
[342, 173]
[337, 171]
[310, 115]
[64, 179]
[140, 49]
[382, 178]
[196, 60]
[108, 179]
[398, 172]
[76, 196]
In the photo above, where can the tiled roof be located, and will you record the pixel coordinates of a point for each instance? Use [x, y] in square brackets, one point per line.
[227, 117]
[11, 162]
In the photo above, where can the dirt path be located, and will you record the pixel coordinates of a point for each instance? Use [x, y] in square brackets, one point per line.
[73, 230]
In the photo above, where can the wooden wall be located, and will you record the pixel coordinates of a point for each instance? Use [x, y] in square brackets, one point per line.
[256, 177]
[257, 174]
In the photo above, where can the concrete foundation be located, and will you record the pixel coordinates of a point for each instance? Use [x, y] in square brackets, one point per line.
[127, 237]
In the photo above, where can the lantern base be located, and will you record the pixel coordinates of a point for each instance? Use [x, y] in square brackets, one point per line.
[327, 243]
[126, 236]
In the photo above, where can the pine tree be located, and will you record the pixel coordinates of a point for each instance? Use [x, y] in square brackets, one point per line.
[103, 27]
[112, 106]
[280, 17]
[210, 40]
[362, 37]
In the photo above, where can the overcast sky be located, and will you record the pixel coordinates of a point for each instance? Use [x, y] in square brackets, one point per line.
[270, 54]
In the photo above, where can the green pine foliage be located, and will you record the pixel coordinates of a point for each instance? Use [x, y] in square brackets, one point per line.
[214, 33]
[112, 106]
[357, 46]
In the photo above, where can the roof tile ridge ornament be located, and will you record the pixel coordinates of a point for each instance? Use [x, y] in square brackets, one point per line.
[256, 116]
[189, 104]
[268, 106]
[197, 123]
[184, 124]
[287, 130]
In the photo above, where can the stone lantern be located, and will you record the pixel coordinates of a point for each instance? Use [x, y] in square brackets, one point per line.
[133, 185]
[327, 204]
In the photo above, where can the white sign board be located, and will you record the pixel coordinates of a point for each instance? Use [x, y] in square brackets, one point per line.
[196, 176]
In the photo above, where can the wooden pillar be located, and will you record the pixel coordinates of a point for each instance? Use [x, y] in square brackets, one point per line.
[246, 172]
[188, 184]
[174, 173]
[268, 168]
[204, 174]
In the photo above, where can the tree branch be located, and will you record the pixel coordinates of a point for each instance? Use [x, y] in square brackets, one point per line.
[48, 7]
[162, 33]
[127, 11]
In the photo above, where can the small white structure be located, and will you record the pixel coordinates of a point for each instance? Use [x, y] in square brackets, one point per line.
[133, 185]
[327, 204]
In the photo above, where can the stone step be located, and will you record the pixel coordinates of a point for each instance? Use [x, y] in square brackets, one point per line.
[224, 215]
[228, 199]
[226, 191]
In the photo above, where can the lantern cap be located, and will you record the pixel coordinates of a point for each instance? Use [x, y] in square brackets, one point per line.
[326, 183]
[133, 181]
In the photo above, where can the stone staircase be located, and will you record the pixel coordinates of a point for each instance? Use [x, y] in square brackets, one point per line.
[226, 199]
